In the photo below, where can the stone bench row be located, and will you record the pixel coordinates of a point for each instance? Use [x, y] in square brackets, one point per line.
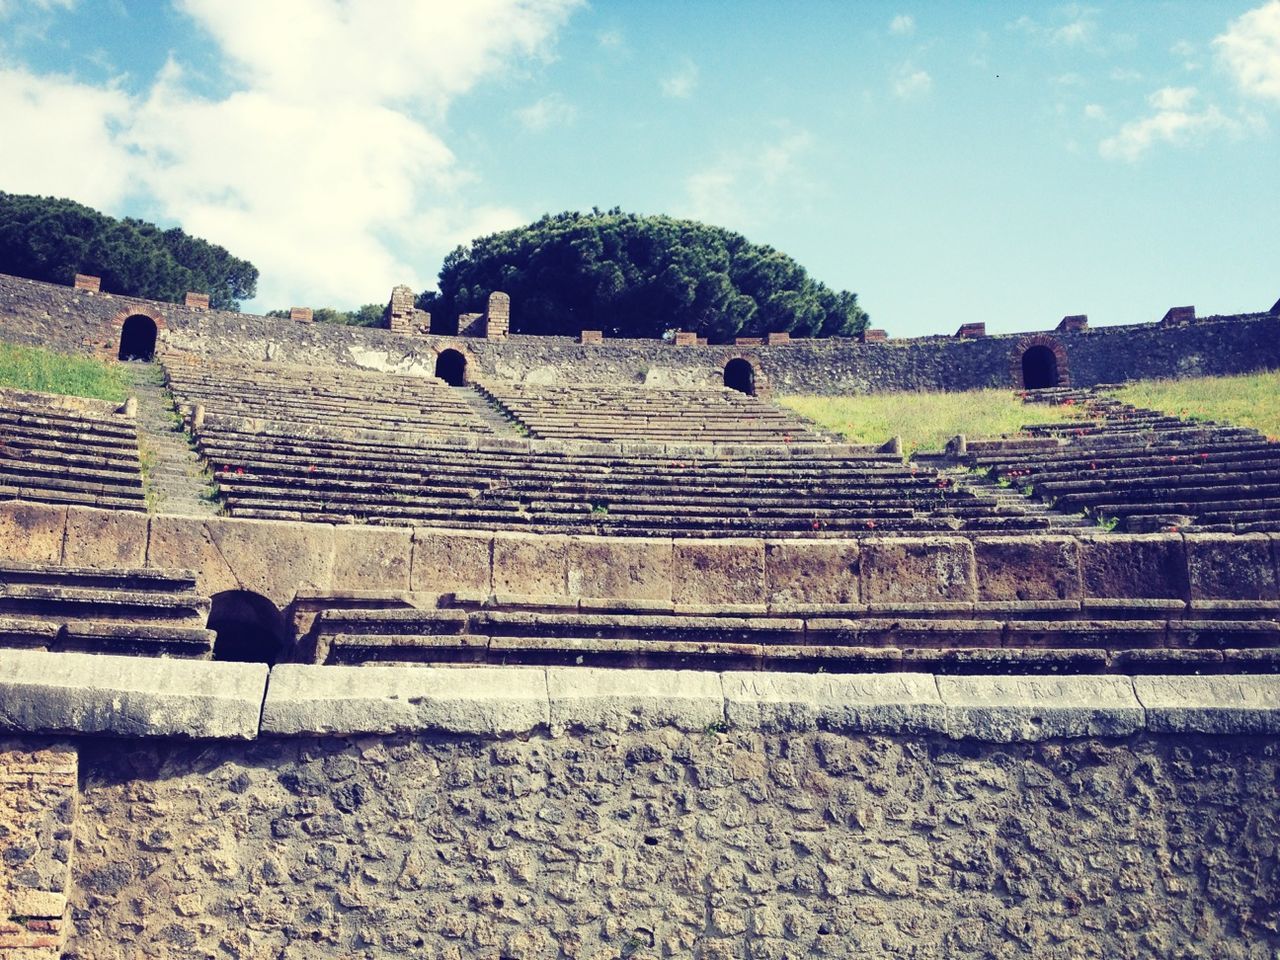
[80, 694]
[126, 610]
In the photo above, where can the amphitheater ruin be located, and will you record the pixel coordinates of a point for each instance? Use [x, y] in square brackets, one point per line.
[474, 644]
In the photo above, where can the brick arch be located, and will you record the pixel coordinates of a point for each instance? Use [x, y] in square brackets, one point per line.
[108, 351]
[759, 378]
[468, 361]
[1039, 340]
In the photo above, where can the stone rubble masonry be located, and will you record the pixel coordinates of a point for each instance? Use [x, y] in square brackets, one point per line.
[38, 798]
[710, 844]
[281, 559]
[77, 321]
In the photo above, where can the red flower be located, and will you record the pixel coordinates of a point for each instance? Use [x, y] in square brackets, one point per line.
[871, 524]
[226, 468]
[817, 524]
[311, 469]
[239, 471]
[1093, 465]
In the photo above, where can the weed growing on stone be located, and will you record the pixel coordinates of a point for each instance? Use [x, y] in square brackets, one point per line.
[1248, 400]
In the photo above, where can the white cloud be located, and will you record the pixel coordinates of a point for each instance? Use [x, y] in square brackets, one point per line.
[910, 82]
[903, 25]
[1070, 25]
[52, 124]
[744, 186]
[1175, 120]
[9, 7]
[1095, 111]
[1250, 49]
[550, 111]
[325, 166]
[610, 39]
[681, 83]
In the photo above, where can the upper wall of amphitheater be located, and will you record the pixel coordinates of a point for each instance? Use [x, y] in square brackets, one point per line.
[87, 321]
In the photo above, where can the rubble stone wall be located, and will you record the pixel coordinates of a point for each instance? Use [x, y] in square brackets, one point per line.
[83, 321]
[662, 843]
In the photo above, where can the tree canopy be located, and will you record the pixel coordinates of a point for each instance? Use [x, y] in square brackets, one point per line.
[52, 239]
[369, 315]
[639, 276]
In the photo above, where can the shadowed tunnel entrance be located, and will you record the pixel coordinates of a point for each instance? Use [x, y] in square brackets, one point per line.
[1039, 368]
[740, 375]
[451, 367]
[138, 338]
[249, 628]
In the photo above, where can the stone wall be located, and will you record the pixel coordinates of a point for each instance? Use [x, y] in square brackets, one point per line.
[82, 321]
[665, 843]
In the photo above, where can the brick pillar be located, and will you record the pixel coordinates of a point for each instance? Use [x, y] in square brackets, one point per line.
[1178, 315]
[686, 338]
[772, 339]
[591, 336]
[1074, 323]
[970, 331]
[497, 319]
[301, 314]
[88, 283]
[873, 336]
[400, 310]
[197, 301]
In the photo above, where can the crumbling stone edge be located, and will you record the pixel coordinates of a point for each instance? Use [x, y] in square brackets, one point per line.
[89, 694]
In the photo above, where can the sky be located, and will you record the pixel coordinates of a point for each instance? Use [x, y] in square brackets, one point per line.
[949, 162]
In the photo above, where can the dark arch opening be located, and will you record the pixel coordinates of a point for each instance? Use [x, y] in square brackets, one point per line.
[1039, 368]
[741, 376]
[451, 367]
[138, 338]
[249, 628]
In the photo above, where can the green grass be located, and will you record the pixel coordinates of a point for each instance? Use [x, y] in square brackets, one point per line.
[1248, 400]
[33, 368]
[925, 421]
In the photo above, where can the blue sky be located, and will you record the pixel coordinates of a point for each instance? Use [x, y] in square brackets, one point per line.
[1008, 163]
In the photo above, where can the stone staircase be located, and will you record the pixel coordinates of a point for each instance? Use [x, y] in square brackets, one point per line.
[175, 479]
[489, 412]
[1012, 501]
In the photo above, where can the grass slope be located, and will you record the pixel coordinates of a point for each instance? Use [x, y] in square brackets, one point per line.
[32, 368]
[925, 421]
[1248, 400]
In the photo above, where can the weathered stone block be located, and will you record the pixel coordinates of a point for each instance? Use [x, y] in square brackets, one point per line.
[1233, 705]
[492, 701]
[917, 569]
[445, 561]
[530, 564]
[868, 703]
[129, 696]
[1231, 567]
[105, 538]
[32, 532]
[371, 558]
[621, 700]
[1027, 568]
[623, 568]
[718, 571]
[1143, 565]
[1011, 709]
[812, 571]
[270, 558]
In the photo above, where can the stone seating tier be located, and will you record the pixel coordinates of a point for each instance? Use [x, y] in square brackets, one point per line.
[147, 612]
[334, 400]
[610, 412]
[772, 490]
[1070, 636]
[66, 450]
[1146, 467]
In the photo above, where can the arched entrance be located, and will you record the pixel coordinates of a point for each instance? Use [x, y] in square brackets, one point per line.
[741, 376]
[451, 367]
[138, 338]
[249, 628]
[1039, 368]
